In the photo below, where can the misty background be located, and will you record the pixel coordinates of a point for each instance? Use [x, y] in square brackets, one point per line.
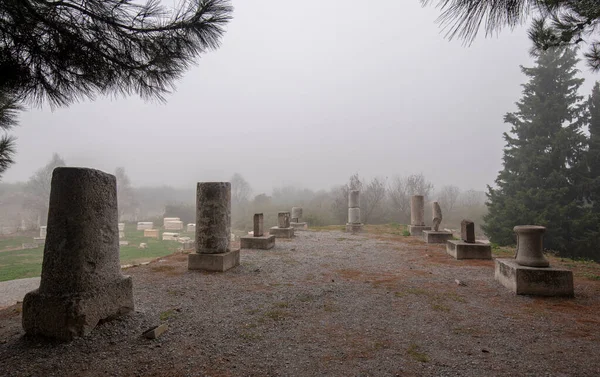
[303, 96]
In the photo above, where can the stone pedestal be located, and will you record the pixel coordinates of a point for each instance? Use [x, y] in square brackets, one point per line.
[168, 236]
[81, 282]
[468, 250]
[191, 227]
[299, 226]
[43, 231]
[354, 225]
[540, 281]
[281, 232]
[431, 236]
[174, 225]
[354, 228]
[213, 229]
[417, 230]
[261, 242]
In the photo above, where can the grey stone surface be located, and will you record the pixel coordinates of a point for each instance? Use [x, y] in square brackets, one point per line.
[299, 226]
[283, 219]
[431, 236]
[417, 230]
[354, 199]
[263, 242]
[530, 246]
[354, 228]
[354, 215]
[155, 331]
[417, 210]
[468, 250]
[296, 214]
[81, 282]
[258, 225]
[214, 262]
[437, 215]
[282, 232]
[213, 217]
[467, 231]
[523, 280]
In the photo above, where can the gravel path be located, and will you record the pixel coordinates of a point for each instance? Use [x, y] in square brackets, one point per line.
[326, 303]
[14, 290]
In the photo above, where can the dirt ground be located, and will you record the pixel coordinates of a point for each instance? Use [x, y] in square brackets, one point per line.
[328, 303]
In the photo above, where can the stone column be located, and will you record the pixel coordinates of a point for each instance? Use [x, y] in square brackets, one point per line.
[417, 210]
[258, 225]
[467, 231]
[213, 229]
[437, 216]
[81, 281]
[283, 219]
[354, 225]
[296, 214]
[530, 246]
[284, 228]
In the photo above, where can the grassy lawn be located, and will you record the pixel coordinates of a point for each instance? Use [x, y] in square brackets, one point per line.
[19, 264]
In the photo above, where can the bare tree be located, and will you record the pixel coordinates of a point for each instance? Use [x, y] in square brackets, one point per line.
[38, 188]
[402, 188]
[448, 196]
[373, 197]
[240, 189]
[472, 198]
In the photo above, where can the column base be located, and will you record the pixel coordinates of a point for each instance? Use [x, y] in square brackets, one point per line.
[539, 281]
[214, 262]
[354, 228]
[299, 226]
[430, 236]
[466, 250]
[262, 242]
[417, 230]
[69, 316]
[282, 232]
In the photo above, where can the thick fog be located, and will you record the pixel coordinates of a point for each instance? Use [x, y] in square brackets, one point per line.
[305, 93]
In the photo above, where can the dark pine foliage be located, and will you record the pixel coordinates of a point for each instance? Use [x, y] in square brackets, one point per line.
[9, 108]
[63, 50]
[544, 158]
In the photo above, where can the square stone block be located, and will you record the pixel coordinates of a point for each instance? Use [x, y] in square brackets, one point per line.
[417, 230]
[262, 242]
[282, 232]
[539, 281]
[214, 262]
[467, 250]
[70, 316]
[354, 228]
[299, 226]
[152, 233]
[430, 236]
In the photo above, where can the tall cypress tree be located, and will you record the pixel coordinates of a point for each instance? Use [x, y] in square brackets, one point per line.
[593, 155]
[544, 156]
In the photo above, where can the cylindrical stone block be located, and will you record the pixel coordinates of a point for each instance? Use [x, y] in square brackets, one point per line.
[530, 246]
[354, 199]
[258, 224]
[82, 245]
[354, 215]
[213, 217]
[417, 210]
[283, 219]
[297, 213]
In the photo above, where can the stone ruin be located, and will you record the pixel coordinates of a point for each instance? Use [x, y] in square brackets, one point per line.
[81, 282]
[296, 217]
[191, 227]
[283, 228]
[417, 216]
[530, 273]
[152, 233]
[213, 229]
[468, 247]
[258, 240]
[435, 235]
[172, 223]
[354, 225]
[121, 230]
[143, 225]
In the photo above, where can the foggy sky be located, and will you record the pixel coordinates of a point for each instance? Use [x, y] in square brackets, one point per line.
[306, 93]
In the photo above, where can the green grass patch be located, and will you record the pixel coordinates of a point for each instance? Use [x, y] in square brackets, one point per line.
[406, 233]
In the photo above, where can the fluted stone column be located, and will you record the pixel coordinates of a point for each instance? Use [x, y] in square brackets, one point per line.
[354, 225]
[81, 282]
[213, 229]
[417, 216]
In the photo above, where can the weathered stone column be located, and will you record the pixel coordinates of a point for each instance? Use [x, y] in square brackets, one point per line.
[258, 240]
[417, 216]
[417, 210]
[283, 228]
[258, 224]
[283, 219]
[213, 229]
[437, 215]
[467, 231]
[354, 225]
[530, 246]
[296, 217]
[81, 281]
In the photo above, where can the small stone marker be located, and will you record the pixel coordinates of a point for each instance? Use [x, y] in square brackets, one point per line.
[81, 282]
[43, 231]
[467, 231]
[354, 225]
[191, 227]
[152, 233]
[258, 224]
[156, 331]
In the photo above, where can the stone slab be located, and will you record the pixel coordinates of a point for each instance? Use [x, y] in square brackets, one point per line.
[68, 316]
[417, 230]
[282, 232]
[354, 228]
[152, 233]
[214, 262]
[173, 225]
[144, 225]
[262, 242]
[299, 226]
[539, 281]
[170, 236]
[467, 250]
[430, 236]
